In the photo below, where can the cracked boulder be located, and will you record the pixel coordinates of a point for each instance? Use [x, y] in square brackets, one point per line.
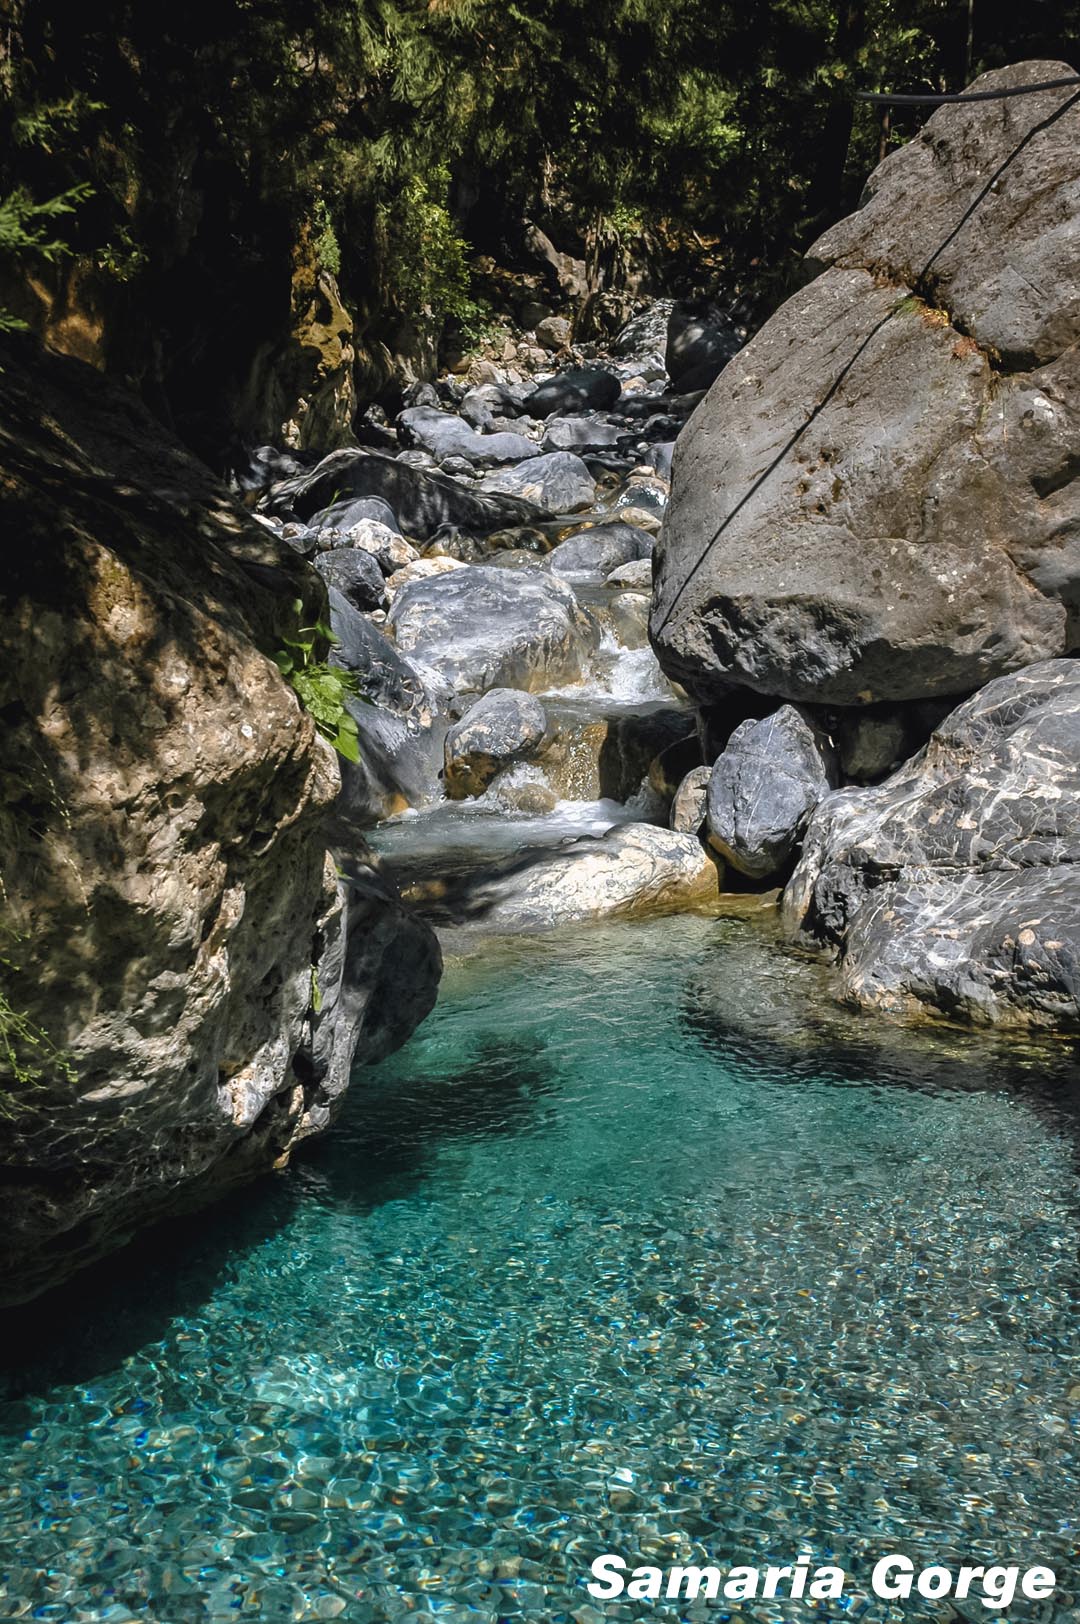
[879, 499]
[954, 887]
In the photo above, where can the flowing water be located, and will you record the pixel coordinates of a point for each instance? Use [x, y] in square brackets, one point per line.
[639, 1246]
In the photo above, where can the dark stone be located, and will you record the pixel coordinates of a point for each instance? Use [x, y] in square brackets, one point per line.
[343, 515]
[764, 787]
[599, 550]
[574, 391]
[701, 340]
[355, 574]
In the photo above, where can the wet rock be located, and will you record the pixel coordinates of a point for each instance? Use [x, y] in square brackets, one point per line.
[424, 502]
[689, 806]
[954, 887]
[634, 871]
[482, 627]
[919, 435]
[598, 550]
[574, 391]
[356, 575]
[556, 483]
[445, 437]
[764, 786]
[629, 613]
[503, 726]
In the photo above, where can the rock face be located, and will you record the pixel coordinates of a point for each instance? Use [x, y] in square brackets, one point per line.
[878, 499]
[631, 872]
[167, 894]
[954, 887]
[481, 627]
[501, 728]
[763, 788]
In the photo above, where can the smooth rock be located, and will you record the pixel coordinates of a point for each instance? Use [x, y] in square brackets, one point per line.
[482, 627]
[954, 887]
[556, 483]
[580, 434]
[553, 333]
[598, 550]
[764, 786]
[444, 436]
[634, 576]
[503, 726]
[634, 871]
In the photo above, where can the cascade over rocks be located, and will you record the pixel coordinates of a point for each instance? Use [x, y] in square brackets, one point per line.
[954, 887]
[167, 891]
[878, 499]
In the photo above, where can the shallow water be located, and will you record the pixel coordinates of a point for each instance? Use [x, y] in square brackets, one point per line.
[639, 1246]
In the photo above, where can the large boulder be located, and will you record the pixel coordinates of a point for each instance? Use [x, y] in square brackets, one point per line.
[424, 502]
[634, 871]
[502, 727]
[574, 391]
[168, 903]
[444, 435]
[878, 499]
[763, 788]
[482, 627]
[558, 482]
[955, 885]
[581, 434]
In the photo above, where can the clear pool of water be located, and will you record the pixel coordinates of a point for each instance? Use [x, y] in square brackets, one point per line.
[639, 1246]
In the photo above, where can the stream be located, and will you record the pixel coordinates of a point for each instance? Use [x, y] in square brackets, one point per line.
[642, 1245]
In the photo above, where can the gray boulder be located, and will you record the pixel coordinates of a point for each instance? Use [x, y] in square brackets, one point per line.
[763, 788]
[635, 576]
[345, 516]
[356, 575]
[390, 551]
[874, 501]
[557, 483]
[425, 502]
[954, 887]
[553, 333]
[599, 550]
[574, 391]
[634, 871]
[482, 627]
[645, 333]
[502, 727]
[444, 436]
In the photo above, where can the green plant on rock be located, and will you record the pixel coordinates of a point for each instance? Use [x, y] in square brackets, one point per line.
[28, 1055]
[325, 238]
[321, 688]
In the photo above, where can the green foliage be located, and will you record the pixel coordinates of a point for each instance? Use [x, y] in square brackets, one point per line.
[425, 261]
[28, 1056]
[327, 247]
[321, 688]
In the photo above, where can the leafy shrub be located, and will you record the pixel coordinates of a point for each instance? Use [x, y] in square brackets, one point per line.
[321, 688]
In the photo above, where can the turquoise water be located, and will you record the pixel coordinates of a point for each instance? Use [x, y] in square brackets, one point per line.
[639, 1246]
